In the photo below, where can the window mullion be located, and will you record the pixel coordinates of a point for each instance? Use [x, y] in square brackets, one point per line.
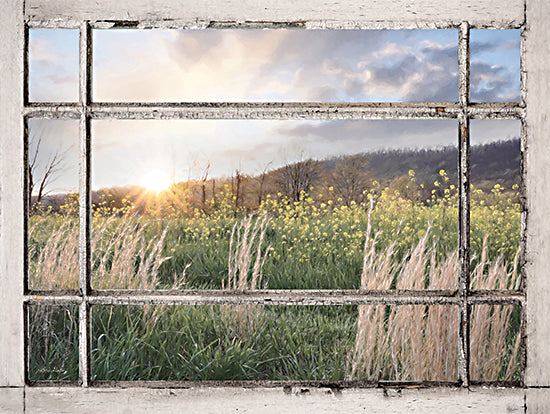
[464, 203]
[85, 203]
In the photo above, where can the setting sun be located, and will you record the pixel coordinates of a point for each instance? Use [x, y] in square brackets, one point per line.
[156, 180]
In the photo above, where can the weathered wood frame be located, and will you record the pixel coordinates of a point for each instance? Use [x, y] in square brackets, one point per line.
[529, 15]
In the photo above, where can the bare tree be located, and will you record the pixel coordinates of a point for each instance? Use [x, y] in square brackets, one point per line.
[204, 179]
[237, 191]
[261, 181]
[41, 180]
[214, 192]
[351, 177]
[297, 177]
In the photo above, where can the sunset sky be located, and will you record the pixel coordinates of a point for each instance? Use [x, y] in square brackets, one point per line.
[260, 65]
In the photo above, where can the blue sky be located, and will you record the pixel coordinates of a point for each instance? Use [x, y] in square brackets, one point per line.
[495, 65]
[260, 65]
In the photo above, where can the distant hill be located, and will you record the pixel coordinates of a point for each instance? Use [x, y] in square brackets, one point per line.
[496, 162]
[492, 163]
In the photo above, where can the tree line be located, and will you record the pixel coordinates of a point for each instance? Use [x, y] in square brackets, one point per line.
[343, 179]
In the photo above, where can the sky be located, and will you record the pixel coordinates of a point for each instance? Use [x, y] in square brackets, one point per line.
[259, 65]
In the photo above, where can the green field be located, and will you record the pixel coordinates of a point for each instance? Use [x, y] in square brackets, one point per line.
[396, 241]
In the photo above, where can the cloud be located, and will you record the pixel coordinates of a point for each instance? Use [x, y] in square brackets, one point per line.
[277, 65]
[305, 47]
[53, 66]
[193, 46]
[386, 71]
[427, 75]
[495, 65]
[391, 50]
[370, 135]
[477, 48]
[492, 83]
[270, 65]
[397, 73]
[483, 131]
[42, 50]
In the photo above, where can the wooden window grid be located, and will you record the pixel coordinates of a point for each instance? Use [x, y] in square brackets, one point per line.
[86, 110]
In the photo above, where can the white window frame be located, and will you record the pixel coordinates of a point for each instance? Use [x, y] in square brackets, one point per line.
[529, 15]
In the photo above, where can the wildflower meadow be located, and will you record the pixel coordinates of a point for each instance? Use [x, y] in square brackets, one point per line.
[402, 235]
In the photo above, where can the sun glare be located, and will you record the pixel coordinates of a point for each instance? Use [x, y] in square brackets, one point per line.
[156, 180]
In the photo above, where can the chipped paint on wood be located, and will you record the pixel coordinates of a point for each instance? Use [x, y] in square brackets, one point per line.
[537, 191]
[275, 110]
[317, 14]
[278, 400]
[11, 185]
[278, 297]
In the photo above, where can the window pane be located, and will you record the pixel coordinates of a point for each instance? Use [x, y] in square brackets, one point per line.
[406, 343]
[221, 342]
[274, 343]
[274, 204]
[53, 214]
[53, 65]
[495, 217]
[276, 65]
[495, 65]
[53, 343]
[495, 343]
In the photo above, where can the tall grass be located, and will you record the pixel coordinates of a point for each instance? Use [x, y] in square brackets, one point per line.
[53, 333]
[491, 331]
[244, 272]
[256, 342]
[198, 343]
[246, 258]
[124, 256]
[416, 342]
[53, 253]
